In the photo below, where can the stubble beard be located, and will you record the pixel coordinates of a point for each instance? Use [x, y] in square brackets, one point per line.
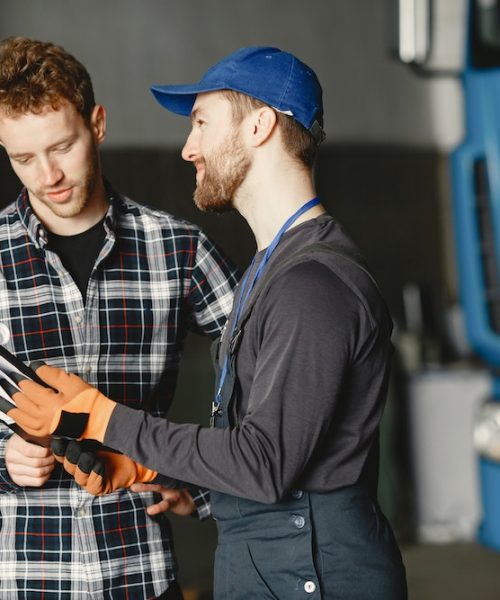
[225, 171]
[82, 192]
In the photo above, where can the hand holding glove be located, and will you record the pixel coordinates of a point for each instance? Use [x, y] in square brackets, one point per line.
[99, 472]
[70, 407]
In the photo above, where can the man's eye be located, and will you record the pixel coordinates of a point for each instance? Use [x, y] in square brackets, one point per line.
[22, 160]
[63, 148]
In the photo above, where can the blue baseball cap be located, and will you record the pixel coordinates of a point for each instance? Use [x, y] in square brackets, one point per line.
[277, 78]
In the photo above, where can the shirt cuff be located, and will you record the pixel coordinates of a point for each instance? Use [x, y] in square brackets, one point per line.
[201, 499]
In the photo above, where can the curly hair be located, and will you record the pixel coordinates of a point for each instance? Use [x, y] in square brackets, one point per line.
[35, 75]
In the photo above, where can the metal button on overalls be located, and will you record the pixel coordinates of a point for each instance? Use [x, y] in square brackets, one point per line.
[299, 521]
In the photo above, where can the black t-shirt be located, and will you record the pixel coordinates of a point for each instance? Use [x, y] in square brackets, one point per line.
[79, 252]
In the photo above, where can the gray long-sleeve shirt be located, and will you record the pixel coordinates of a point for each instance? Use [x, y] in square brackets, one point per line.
[312, 369]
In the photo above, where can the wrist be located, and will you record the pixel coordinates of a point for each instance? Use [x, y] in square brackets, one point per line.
[145, 475]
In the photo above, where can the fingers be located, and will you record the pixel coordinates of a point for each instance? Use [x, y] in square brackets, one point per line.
[23, 450]
[158, 507]
[26, 478]
[179, 502]
[21, 382]
[28, 464]
[30, 396]
[36, 392]
[86, 463]
[60, 380]
[30, 424]
[23, 402]
[72, 457]
[12, 373]
[36, 364]
[185, 505]
[90, 475]
[96, 483]
[17, 377]
[35, 472]
[86, 468]
[147, 487]
[5, 405]
[10, 390]
[58, 447]
[169, 497]
[50, 375]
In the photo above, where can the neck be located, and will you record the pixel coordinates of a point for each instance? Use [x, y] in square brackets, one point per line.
[93, 211]
[270, 197]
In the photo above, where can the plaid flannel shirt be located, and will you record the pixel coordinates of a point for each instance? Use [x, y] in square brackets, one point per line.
[154, 277]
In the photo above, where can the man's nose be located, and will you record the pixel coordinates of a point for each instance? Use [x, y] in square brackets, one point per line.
[50, 172]
[190, 152]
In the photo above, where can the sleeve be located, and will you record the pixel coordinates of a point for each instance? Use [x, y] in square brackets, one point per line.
[305, 343]
[6, 483]
[201, 499]
[210, 293]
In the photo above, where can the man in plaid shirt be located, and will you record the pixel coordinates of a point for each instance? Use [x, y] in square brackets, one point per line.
[96, 284]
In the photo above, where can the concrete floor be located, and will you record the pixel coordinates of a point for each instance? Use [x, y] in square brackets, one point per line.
[452, 572]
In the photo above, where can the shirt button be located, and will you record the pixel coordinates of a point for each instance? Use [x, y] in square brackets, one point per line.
[309, 587]
[78, 319]
[61, 274]
[297, 494]
[299, 522]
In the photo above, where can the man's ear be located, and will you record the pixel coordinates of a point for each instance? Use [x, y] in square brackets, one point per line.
[98, 123]
[263, 123]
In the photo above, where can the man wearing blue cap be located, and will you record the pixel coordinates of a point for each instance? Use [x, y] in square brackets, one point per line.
[302, 365]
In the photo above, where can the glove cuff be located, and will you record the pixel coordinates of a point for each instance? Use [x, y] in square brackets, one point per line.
[144, 475]
[99, 416]
[85, 417]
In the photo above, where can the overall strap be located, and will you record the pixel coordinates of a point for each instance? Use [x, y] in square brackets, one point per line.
[227, 412]
[309, 251]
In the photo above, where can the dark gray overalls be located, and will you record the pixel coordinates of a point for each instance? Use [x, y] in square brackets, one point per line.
[310, 546]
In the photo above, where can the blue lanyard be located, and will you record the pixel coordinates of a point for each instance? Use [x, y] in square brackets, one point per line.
[246, 289]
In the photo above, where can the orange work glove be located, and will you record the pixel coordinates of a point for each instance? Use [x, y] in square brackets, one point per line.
[70, 407]
[99, 472]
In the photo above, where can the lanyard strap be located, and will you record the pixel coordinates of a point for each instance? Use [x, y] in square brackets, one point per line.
[247, 287]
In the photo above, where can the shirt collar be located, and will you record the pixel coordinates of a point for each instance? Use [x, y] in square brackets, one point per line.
[38, 233]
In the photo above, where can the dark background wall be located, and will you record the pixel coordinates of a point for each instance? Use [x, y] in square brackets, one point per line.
[388, 198]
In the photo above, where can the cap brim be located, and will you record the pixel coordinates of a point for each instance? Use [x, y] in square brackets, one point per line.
[180, 99]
